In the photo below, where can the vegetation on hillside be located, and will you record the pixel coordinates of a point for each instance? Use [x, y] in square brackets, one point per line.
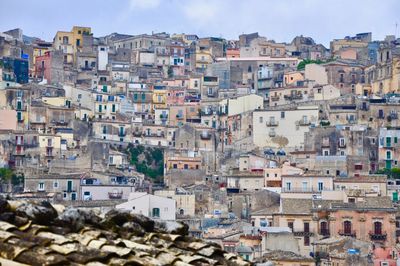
[391, 173]
[147, 160]
[302, 64]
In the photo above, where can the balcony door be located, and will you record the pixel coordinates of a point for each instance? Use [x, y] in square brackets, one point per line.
[324, 228]
[347, 227]
[377, 228]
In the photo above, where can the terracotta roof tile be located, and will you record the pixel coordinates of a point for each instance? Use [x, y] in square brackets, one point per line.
[38, 234]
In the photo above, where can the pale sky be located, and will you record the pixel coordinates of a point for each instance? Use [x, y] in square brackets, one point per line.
[280, 20]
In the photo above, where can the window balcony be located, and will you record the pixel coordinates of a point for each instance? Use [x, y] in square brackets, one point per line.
[275, 98]
[115, 195]
[272, 123]
[303, 123]
[351, 233]
[377, 237]
[324, 232]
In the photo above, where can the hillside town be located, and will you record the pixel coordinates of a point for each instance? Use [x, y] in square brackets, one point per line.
[270, 153]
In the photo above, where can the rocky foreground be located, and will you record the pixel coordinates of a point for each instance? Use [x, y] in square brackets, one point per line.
[44, 234]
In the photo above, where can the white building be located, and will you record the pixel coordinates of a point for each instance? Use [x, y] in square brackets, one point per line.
[151, 206]
[102, 55]
[283, 128]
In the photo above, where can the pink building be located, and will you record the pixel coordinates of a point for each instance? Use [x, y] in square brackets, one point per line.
[175, 96]
[43, 66]
[8, 120]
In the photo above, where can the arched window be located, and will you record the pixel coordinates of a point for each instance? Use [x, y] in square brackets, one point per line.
[156, 212]
[324, 228]
[377, 228]
[347, 227]
[181, 212]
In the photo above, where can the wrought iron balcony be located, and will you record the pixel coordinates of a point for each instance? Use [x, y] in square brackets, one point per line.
[351, 233]
[272, 123]
[377, 237]
[324, 232]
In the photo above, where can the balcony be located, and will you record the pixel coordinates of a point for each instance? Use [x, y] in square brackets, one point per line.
[272, 134]
[19, 152]
[293, 97]
[272, 123]
[137, 133]
[275, 98]
[304, 190]
[303, 233]
[303, 123]
[324, 232]
[378, 237]
[115, 195]
[205, 135]
[122, 134]
[351, 233]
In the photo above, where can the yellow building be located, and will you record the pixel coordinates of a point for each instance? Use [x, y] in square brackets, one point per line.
[57, 101]
[203, 57]
[159, 99]
[70, 42]
[292, 77]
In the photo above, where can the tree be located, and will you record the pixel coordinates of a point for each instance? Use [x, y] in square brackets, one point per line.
[6, 177]
[281, 141]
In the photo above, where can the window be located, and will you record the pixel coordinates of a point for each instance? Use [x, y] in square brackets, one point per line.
[306, 241]
[358, 167]
[306, 227]
[282, 115]
[352, 200]
[377, 228]
[288, 186]
[323, 228]
[261, 119]
[41, 186]
[320, 186]
[156, 212]
[347, 227]
[342, 142]
[290, 225]
[55, 184]
[304, 186]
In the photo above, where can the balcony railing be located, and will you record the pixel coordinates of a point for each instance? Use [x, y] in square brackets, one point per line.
[115, 195]
[121, 134]
[303, 233]
[272, 123]
[275, 98]
[377, 237]
[293, 97]
[351, 233]
[324, 232]
[303, 123]
[304, 190]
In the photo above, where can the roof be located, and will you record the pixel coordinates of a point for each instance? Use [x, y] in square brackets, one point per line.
[44, 234]
[280, 255]
[296, 206]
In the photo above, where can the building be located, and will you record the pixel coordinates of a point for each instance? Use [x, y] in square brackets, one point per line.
[151, 206]
[283, 128]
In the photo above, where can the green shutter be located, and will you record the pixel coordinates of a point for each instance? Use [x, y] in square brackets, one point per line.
[100, 108]
[388, 141]
[19, 105]
[104, 88]
[19, 116]
[113, 108]
[395, 139]
[388, 165]
[395, 196]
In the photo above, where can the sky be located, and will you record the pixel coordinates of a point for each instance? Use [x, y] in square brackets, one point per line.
[280, 20]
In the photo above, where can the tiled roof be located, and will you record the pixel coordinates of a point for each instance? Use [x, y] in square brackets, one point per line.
[45, 234]
[296, 206]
